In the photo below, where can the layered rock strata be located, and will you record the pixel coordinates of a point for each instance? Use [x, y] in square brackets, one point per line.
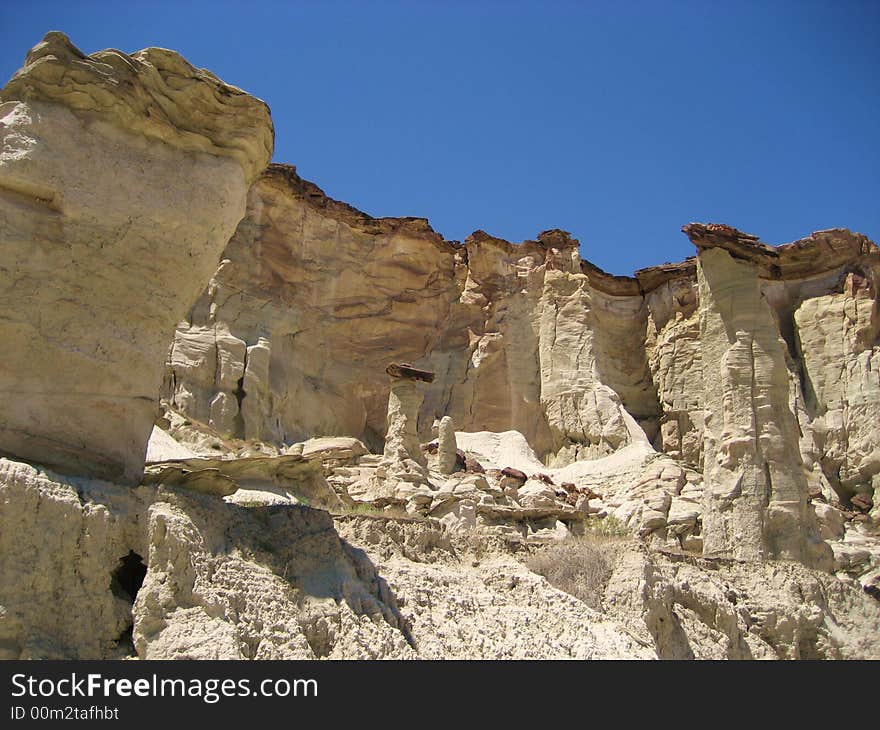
[165, 573]
[122, 178]
[523, 337]
[717, 361]
[334, 304]
[93, 570]
[529, 338]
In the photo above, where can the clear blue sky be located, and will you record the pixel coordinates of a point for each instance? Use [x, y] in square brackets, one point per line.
[617, 121]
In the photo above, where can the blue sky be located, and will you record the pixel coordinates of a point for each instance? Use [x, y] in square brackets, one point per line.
[617, 121]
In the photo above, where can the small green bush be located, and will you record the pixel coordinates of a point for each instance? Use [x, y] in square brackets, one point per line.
[607, 527]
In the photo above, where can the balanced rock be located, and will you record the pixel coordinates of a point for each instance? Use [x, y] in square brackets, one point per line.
[402, 437]
[121, 180]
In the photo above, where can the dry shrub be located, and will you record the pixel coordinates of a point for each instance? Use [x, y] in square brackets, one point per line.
[580, 566]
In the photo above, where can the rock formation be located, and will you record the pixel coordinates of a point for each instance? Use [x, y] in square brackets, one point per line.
[122, 178]
[447, 446]
[756, 495]
[524, 337]
[166, 573]
[583, 364]
[709, 425]
[404, 402]
[312, 275]
[376, 290]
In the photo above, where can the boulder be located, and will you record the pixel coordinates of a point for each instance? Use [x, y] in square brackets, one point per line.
[535, 494]
[334, 448]
[831, 521]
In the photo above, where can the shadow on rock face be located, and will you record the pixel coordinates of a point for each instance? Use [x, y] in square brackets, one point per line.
[269, 582]
[301, 545]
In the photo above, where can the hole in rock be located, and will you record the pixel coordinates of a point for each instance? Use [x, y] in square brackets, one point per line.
[129, 576]
[126, 582]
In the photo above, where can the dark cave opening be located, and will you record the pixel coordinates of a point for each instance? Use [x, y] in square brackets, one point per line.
[127, 579]
[129, 576]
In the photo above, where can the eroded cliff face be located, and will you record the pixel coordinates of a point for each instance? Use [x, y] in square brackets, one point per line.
[122, 178]
[751, 364]
[712, 421]
[327, 297]
[530, 338]
[224, 582]
[93, 570]
[519, 336]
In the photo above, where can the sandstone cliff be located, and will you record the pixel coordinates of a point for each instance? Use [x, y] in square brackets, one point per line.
[530, 338]
[364, 432]
[521, 337]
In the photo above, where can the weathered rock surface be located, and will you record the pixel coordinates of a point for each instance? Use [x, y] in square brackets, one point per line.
[224, 581]
[697, 608]
[221, 581]
[529, 338]
[404, 402]
[675, 359]
[721, 410]
[447, 447]
[519, 336]
[58, 555]
[162, 447]
[122, 178]
[313, 278]
[837, 336]
[337, 449]
[292, 476]
[470, 601]
[756, 489]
